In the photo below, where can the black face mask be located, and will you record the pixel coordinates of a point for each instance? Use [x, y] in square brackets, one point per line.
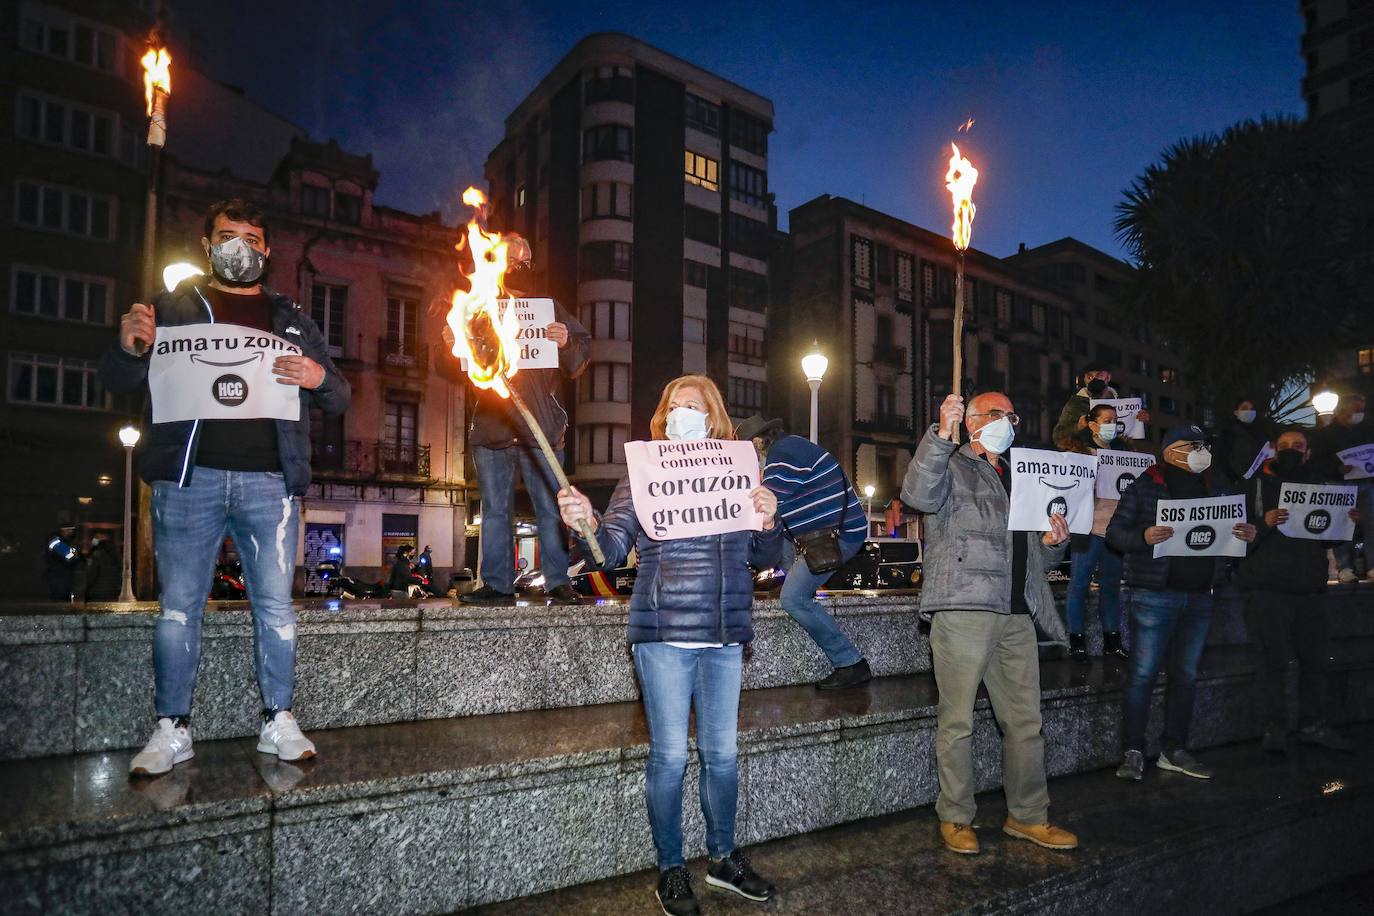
[1096, 387]
[1288, 461]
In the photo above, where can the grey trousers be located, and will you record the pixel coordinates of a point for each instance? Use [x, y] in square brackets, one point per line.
[1000, 651]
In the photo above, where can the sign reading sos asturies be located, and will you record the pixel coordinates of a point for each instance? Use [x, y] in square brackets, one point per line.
[1202, 527]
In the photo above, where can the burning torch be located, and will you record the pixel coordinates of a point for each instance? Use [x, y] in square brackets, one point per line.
[485, 335]
[157, 87]
[960, 179]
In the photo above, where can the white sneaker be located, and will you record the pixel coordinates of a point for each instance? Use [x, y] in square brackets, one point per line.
[282, 736]
[1347, 576]
[167, 747]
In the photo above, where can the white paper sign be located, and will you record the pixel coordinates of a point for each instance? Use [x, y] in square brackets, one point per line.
[1128, 425]
[692, 489]
[1202, 527]
[1318, 512]
[1361, 461]
[536, 351]
[1045, 483]
[220, 372]
[1117, 470]
[1264, 454]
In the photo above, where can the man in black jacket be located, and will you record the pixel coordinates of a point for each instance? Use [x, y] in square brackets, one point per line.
[1349, 428]
[1240, 439]
[242, 477]
[500, 444]
[1170, 602]
[1285, 580]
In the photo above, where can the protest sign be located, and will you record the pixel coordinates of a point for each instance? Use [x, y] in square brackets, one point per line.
[220, 372]
[1318, 512]
[1117, 470]
[687, 489]
[1128, 425]
[1045, 483]
[1202, 527]
[1264, 454]
[535, 351]
[1360, 460]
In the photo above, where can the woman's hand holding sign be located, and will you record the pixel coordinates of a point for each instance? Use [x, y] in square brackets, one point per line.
[765, 504]
[1245, 531]
[1275, 517]
[137, 329]
[575, 508]
[298, 370]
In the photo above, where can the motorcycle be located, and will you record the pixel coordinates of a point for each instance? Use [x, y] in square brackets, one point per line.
[337, 585]
[228, 583]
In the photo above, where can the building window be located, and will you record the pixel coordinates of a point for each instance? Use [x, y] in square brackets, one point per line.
[55, 294]
[328, 304]
[701, 225]
[402, 325]
[48, 120]
[1365, 360]
[612, 83]
[50, 32]
[861, 262]
[1168, 404]
[606, 200]
[746, 344]
[314, 201]
[1104, 318]
[700, 170]
[748, 133]
[606, 382]
[41, 206]
[1037, 317]
[607, 141]
[399, 434]
[886, 402]
[928, 282]
[749, 237]
[348, 208]
[906, 269]
[748, 290]
[1072, 273]
[326, 440]
[605, 261]
[601, 443]
[693, 330]
[606, 320]
[1080, 345]
[703, 115]
[883, 262]
[1002, 299]
[55, 381]
[694, 273]
[1169, 376]
[1140, 365]
[1056, 323]
[1020, 312]
[748, 185]
[746, 396]
[520, 196]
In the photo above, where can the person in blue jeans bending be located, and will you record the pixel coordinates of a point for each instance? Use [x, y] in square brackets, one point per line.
[813, 495]
[1170, 602]
[213, 477]
[690, 617]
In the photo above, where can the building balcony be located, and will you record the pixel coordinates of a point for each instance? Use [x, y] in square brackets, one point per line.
[372, 460]
[402, 357]
[885, 423]
[890, 355]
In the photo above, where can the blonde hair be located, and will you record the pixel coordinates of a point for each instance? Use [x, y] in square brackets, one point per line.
[718, 425]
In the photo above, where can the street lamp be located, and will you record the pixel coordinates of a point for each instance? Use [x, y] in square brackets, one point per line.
[814, 365]
[869, 490]
[1325, 403]
[128, 435]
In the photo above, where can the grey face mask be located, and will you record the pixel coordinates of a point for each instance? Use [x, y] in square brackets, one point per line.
[235, 262]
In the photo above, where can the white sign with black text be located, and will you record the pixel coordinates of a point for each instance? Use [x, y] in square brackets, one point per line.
[1117, 470]
[1202, 527]
[1318, 512]
[1128, 425]
[220, 372]
[693, 488]
[535, 351]
[1045, 483]
[1360, 460]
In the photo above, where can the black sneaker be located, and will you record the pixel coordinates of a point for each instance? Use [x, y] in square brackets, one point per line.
[848, 676]
[675, 892]
[1323, 735]
[1078, 648]
[564, 594]
[486, 596]
[734, 873]
[1111, 645]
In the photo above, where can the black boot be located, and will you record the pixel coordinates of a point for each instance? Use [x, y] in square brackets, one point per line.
[1078, 648]
[848, 676]
[1111, 645]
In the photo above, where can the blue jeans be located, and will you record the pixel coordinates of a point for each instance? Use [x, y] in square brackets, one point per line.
[496, 482]
[672, 681]
[189, 525]
[799, 599]
[1168, 630]
[1107, 564]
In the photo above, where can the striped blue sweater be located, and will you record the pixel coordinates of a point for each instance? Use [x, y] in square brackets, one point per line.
[813, 492]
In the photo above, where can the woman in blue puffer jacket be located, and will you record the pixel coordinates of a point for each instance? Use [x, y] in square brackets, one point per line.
[690, 616]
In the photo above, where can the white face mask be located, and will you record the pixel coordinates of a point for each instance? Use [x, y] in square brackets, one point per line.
[997, 436]
[1199, 460]
[1245, 416]
[1107, 432]
[1357, 418]
[686, 423]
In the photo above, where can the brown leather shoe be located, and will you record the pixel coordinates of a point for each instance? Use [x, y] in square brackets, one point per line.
[959, 838]
[1046, 835]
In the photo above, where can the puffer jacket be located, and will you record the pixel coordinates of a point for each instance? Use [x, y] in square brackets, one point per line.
[1075, 409]
[1275, 562]
[169, 450]
[967, 561]
[687, 590]
[1137, 510]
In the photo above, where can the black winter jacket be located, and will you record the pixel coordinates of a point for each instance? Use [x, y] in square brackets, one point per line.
[1137, 510]
[1275, 562]
[691, 589]
[1236, 448]
[168, 451]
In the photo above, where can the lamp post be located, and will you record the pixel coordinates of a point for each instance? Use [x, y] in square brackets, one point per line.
[129, 437]
[814, 365]
[1325, 404]
[869, 490]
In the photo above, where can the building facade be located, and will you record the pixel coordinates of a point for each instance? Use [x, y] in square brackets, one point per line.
[641, 182]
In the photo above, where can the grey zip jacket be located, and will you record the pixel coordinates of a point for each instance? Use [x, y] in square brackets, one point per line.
[967, 560]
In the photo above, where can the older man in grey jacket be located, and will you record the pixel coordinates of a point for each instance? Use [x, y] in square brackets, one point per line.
[982, 585]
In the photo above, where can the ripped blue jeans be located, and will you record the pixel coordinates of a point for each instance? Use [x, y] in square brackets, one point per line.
[189, 525]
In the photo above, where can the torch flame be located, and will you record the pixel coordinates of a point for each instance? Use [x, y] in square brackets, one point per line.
[960, 179]
[157, 75]
[484, 335]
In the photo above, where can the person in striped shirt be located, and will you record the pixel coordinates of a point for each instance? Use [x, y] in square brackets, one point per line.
[813, 495]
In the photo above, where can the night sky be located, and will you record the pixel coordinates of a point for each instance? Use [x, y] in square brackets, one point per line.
[1071, 100]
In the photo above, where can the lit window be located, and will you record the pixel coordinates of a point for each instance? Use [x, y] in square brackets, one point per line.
[701, 170]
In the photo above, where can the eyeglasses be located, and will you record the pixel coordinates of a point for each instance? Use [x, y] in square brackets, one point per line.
[999, 415]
